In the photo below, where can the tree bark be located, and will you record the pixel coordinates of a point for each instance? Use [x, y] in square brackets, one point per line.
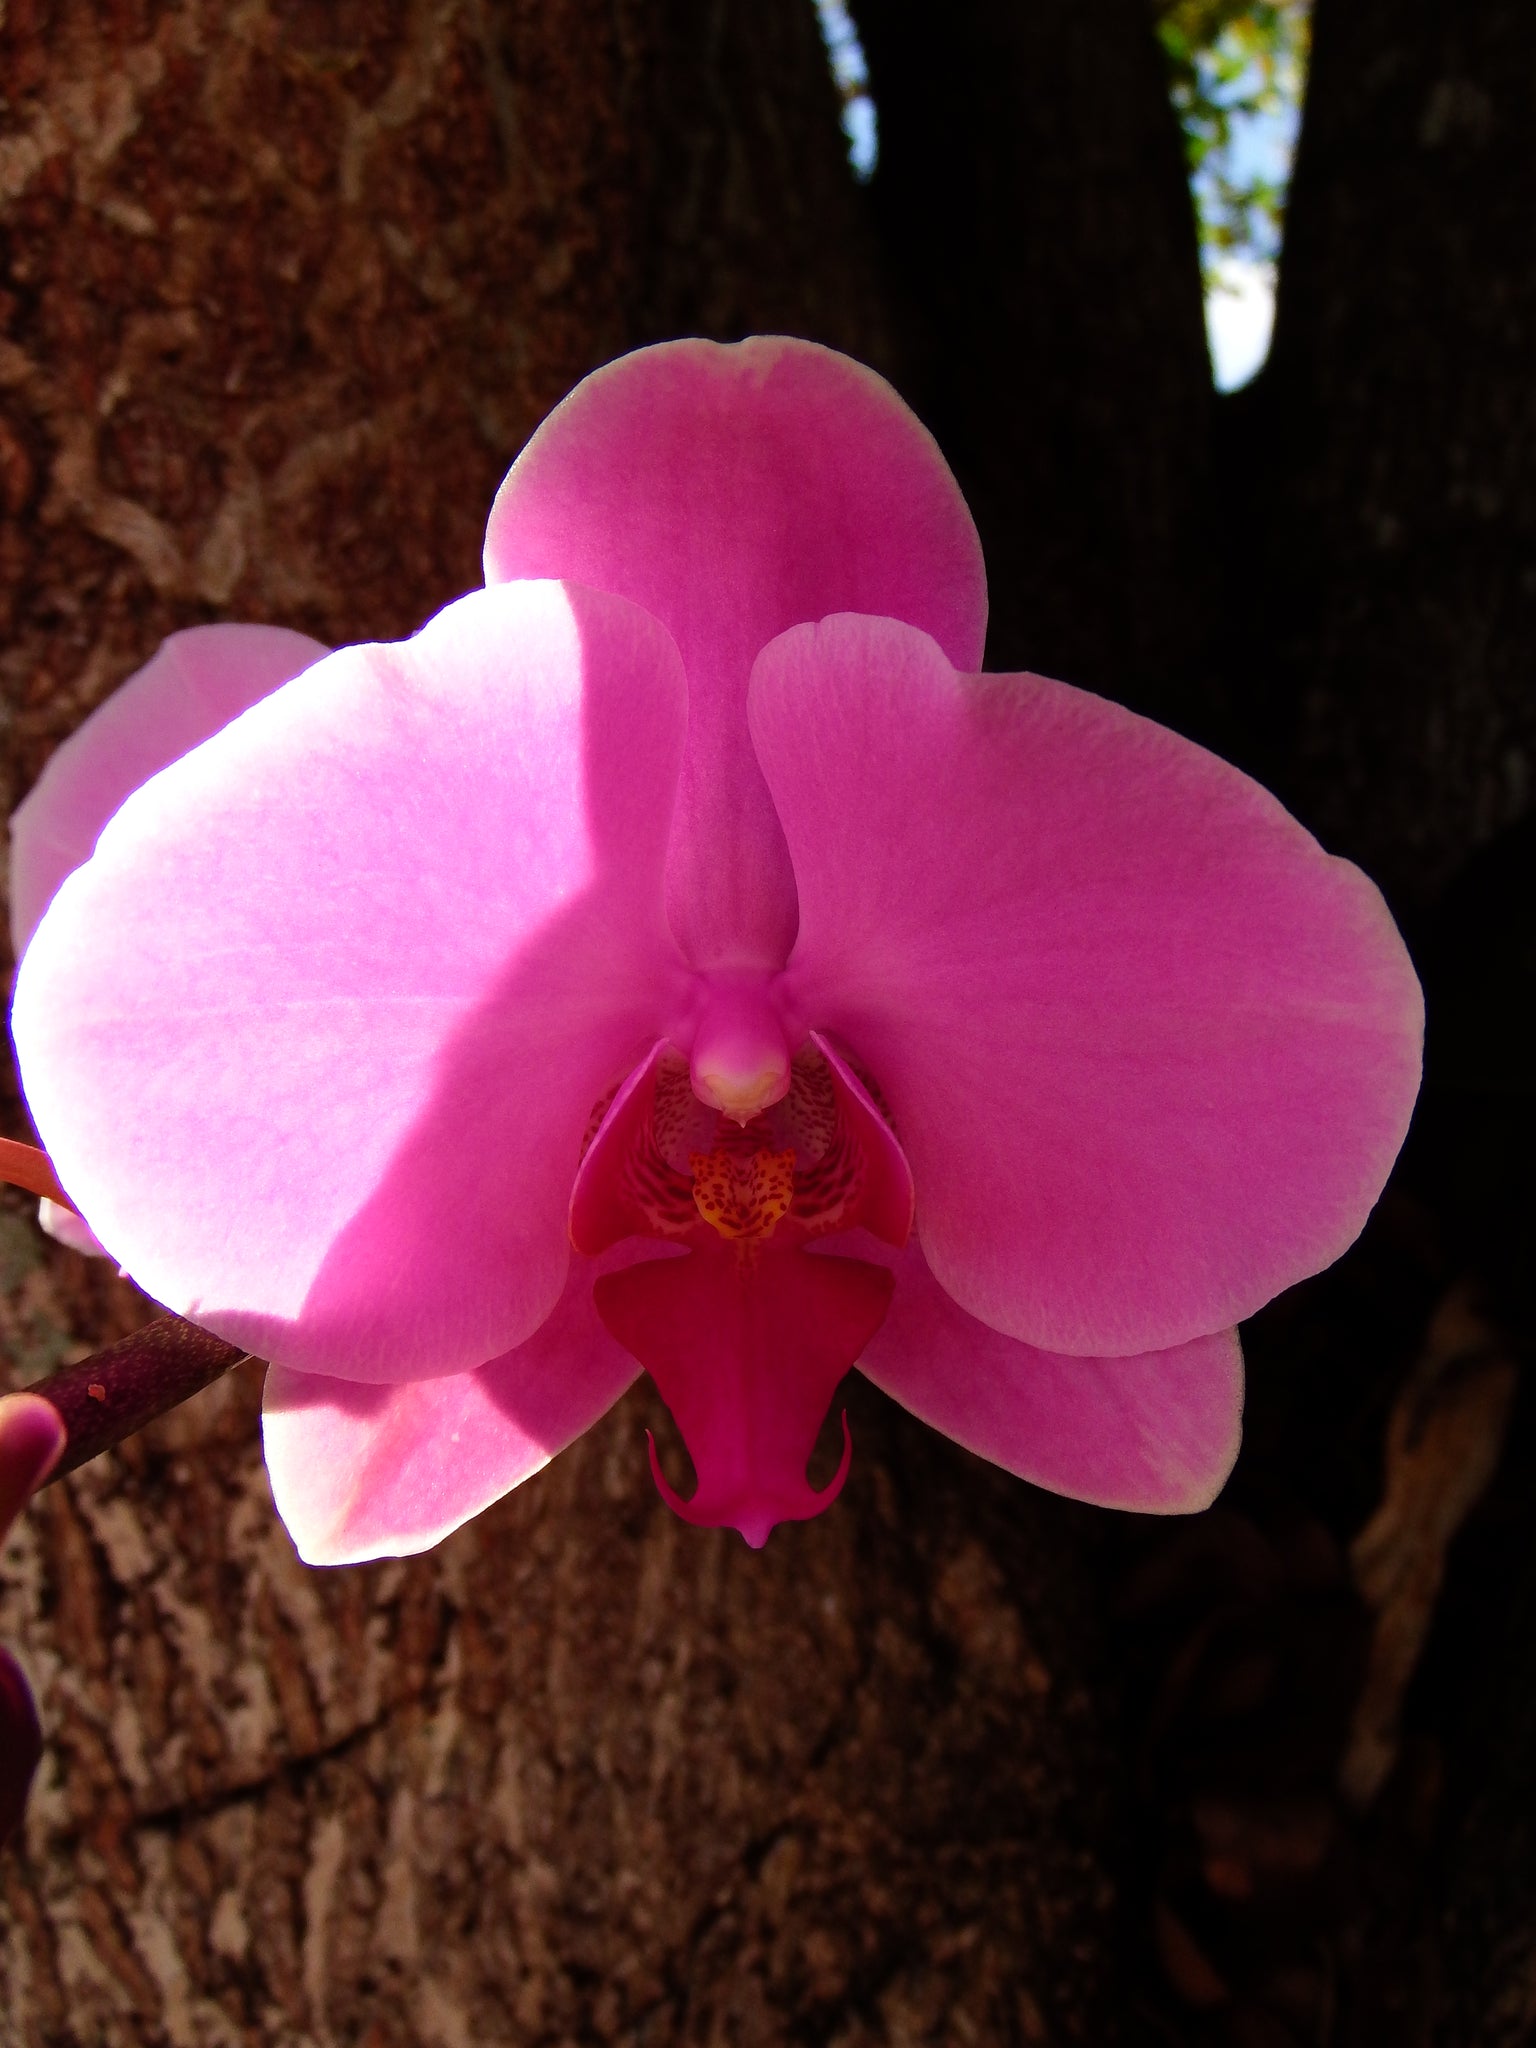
[1384, 471]
[1394, 497]
[1038, 235]
[1332, 575]
[287, 286]
[1380, 589]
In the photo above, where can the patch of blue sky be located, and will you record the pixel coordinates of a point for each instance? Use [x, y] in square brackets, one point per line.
[1261, 147]
[850, 73]
[1240, 287]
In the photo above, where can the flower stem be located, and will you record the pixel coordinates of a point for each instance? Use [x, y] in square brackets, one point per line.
[115, 1392]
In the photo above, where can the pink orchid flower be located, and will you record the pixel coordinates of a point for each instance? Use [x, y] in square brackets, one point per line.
[677, 956]
[31, 1441]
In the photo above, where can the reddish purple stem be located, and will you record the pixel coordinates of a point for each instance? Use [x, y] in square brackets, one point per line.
[115, 1392]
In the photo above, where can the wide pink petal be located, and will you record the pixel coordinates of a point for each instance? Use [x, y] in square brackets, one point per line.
[734, 491]
[195, 683]
[746, 1344]
[313, 1038]
[359, 1472]
[1157, 1433]
[1150, 1051]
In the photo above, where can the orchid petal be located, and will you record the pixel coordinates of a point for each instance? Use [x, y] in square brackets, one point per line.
[191, 688]
[313, 1037]
[747, 1348]
[734, 491]
[1157, 1433]
[1150, 1051]
[360, 1472]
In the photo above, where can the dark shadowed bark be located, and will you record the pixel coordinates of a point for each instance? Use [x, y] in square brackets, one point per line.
[1379, 573]
[1387, 565]
[1342, 593]
[1396, 575]
[1038, 236]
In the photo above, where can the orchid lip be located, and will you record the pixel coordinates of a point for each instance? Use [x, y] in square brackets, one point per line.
[751, 1513]
[748, 1333]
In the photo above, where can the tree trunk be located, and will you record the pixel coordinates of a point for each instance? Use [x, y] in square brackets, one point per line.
[1387, 579]
[288, 285]
[1395, 493]
[1332, 575]
[1380, 592]
[1039, 238]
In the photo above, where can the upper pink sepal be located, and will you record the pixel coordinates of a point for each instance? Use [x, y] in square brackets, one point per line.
[747, 1345]
[1157, 1433]
[196, 682]
[1150, 1050]
[359, 1472]
[313, 1037]
[734, 491]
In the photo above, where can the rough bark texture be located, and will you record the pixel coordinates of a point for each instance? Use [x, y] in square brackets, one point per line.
[286, 286]
[580, 1775]
[289, 284]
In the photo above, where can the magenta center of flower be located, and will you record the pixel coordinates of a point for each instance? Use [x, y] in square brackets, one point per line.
[748, 1331]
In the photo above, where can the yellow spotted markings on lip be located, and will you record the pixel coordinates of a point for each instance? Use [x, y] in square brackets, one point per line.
[743, 1194]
